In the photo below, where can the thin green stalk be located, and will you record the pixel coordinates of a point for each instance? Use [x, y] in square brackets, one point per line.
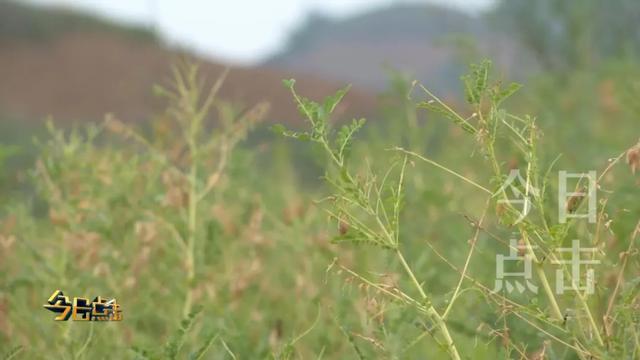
[445, 106]
[557, 313]
[431, 311]
[583, 304]
[538, 265]
[415, 281]
[191, 228]
[456, 292]
[445, 169]
[592, 321]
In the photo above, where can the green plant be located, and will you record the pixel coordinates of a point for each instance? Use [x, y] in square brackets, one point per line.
[367, 208]
[164, 184]
[586, 339]
[214, 249]
[190, 108]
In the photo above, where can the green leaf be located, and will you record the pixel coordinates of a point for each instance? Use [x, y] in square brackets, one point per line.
[448, 114]
[198, 354]
[141, 354]
[172, 348]
[469, 93]
[500, 95]
[13, 353]
[281, 130]
[481, 76]
[345, 137]
[278, 129]
[289, 83]
[330, 102]
[475, 83]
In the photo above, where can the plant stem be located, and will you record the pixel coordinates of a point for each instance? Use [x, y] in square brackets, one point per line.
[583, 303]
[191, 228]
[592, 321]
[444, 168]
[474, 240]
[543, 278]
[431, 311]
[415, 281]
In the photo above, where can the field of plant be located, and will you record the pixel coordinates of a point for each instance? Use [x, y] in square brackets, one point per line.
[340, 239]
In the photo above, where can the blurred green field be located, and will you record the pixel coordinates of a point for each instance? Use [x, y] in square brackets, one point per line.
[108, 216]
[223, 239]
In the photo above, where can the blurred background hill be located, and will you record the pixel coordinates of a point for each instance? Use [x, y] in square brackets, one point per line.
[429, 43]
[77, 67]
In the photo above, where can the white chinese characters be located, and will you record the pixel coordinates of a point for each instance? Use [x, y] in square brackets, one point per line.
[514, 256]
[569, 276]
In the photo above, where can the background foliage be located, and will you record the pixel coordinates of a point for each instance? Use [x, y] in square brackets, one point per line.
[220, 249]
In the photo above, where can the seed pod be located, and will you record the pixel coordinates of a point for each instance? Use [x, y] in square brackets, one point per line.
[633, 158]
[501, 209]
[522, 247]
[343, 227]
[573, 203]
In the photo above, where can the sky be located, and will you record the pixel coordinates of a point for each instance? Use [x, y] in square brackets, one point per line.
[239, 31]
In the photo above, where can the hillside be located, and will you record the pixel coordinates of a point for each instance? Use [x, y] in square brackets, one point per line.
[32, 23]
[76, 67]
[430, 43]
